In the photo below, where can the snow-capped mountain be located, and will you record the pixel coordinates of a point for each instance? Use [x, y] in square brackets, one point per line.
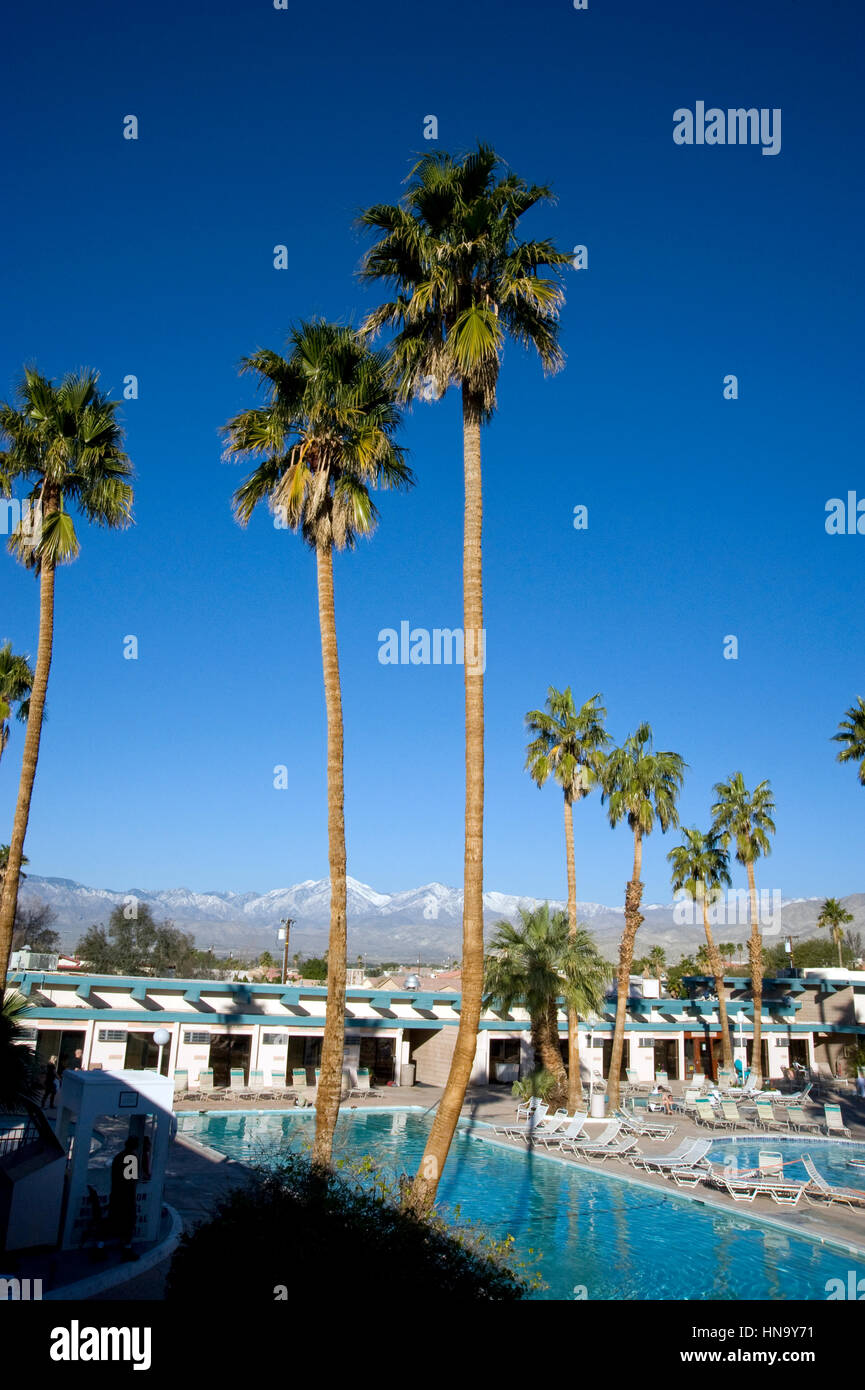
[414, 921]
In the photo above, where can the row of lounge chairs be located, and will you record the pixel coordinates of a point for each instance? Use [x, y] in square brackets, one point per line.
[728, 1115]
[256, 1088]
[688, 1164]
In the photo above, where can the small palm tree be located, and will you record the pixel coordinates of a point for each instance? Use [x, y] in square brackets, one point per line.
[642, 787]
[535, 962]
[835, 917]
[745, 818]
[851, 732]
[323, 438]
[463, 284]
[16, 681]
[17, 1081]
[700, 868]
[65, 442]
[568, 745]
[657, 961]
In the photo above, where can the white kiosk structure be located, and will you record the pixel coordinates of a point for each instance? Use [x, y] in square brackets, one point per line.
[133, 1106]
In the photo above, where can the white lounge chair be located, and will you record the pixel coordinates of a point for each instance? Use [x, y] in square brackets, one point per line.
[690, 1153]
[527, 1126]
[362, 1083]
[834, 1124]
[767, 1181]
[646, 1129]
[565, 1133]
[820, 1187]
[600, 1141]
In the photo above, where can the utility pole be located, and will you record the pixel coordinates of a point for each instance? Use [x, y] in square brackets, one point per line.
[287, 923]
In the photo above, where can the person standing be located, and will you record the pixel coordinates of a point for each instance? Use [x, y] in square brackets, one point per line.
[49, 1090]
[122, 1202]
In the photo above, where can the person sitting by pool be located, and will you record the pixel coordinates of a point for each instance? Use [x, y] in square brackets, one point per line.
[666, 1099]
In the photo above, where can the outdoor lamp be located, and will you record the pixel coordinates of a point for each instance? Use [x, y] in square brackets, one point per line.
[161, 1037]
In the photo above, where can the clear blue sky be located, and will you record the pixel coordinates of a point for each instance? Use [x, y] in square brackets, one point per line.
[706, 516]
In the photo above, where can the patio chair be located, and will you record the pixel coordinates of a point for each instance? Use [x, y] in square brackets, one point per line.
[619, 1146]
[821, 1188]
[525, 1108]
[565, 1133]
[661, 1078]
[730, 1111]
[362, 1084]
[689, 1153]
[528, 1126]
[687, 1102]
[546, 1128]
[207, 1090]
[634, 1084]
[798, 1120]
[834, 1124]
[796, 1097]
[585, 1141]
[647, 1129]
[181, 1085]
[278, 1088]
[705, 1115]
[298, 1079]
[257, 1087]
[768, 1181]
[237, 1087]
[765, 1117]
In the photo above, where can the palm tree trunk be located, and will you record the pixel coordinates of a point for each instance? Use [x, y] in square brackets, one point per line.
[755, 955]
[575, 1084]
[426, 1179]
[333, 1043]
[633, 918]
[718, 972]
[551, 1054]
[29, 760]
[838, 940]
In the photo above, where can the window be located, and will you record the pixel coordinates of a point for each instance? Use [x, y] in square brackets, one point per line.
[196, 1038]
[111, 1034]
[27, 1034]
[275, 1039]
[646, 1042]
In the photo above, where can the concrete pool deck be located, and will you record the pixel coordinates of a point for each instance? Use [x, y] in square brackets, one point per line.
[198, 1178]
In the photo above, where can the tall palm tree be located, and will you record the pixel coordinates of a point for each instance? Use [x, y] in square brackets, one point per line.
[701, 869]
[568, 745]
[66, 443]
[834, 916]
[16, 682]
[463, 283]
[641, 786]
[745, 818]
[535, 962]
[323, 437]
[851, 732]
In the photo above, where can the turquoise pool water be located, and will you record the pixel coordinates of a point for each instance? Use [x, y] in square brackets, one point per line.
[615, 1240]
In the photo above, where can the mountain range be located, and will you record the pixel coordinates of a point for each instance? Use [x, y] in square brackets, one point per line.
[423, 922]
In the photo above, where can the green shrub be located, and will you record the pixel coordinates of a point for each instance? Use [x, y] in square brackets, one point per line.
[297, 1230]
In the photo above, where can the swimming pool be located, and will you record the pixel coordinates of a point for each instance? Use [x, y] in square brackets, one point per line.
[595, 1233]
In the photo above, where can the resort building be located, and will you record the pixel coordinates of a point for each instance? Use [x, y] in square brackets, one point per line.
[809, 1017]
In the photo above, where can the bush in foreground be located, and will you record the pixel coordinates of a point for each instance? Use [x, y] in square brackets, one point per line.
[297, 1229]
